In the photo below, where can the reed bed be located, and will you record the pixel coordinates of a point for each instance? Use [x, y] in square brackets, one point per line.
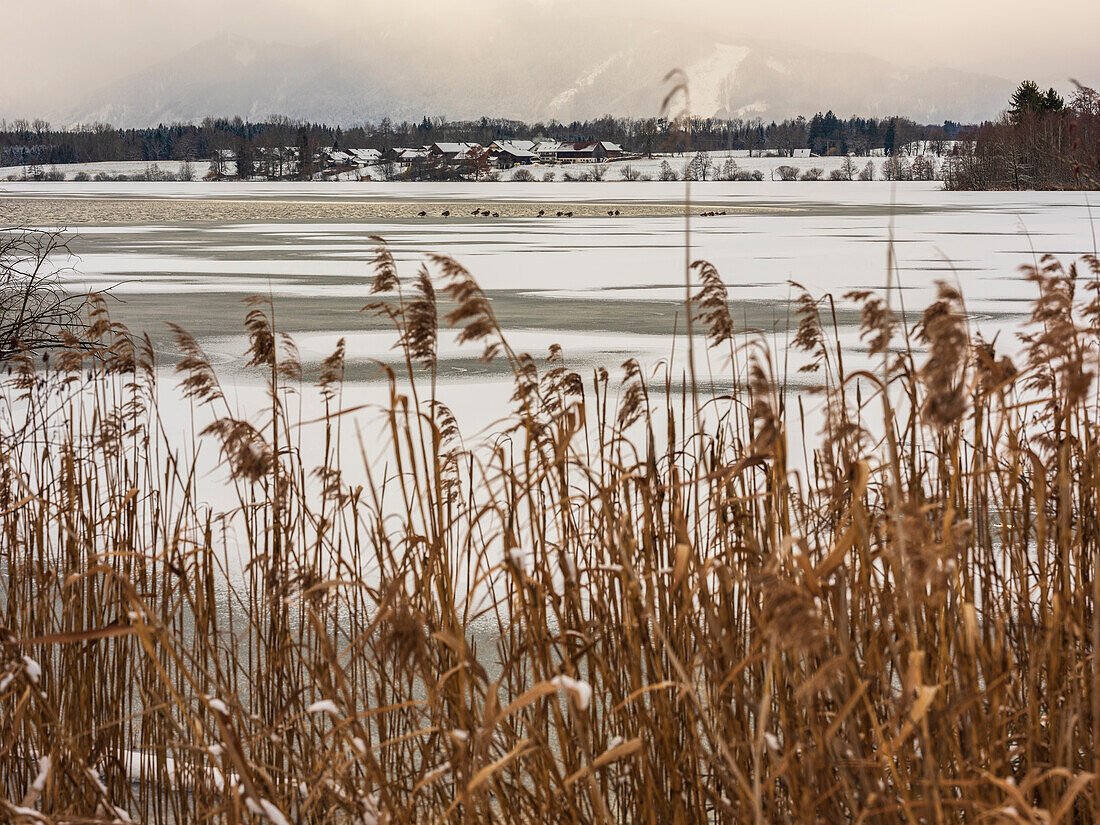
[626, 607]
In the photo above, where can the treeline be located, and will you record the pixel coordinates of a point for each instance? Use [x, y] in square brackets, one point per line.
[35, 142]
[1040, 143]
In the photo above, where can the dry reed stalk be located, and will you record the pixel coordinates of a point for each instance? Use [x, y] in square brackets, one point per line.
[606, 615]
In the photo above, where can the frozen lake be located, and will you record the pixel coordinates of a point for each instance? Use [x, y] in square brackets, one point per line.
[605, 288]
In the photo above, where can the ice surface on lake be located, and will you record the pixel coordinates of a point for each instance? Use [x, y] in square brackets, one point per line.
[830, 238]
[606, 288]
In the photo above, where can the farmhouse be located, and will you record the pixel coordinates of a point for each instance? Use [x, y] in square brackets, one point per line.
[406, 157]
[365, 157]
[336, 157]
[508, 153]
[579, 151]
[452, 151]
[611, 150]
[503, 154]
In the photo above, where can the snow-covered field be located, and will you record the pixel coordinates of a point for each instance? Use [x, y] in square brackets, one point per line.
[114, 167]
[646, 167]
[651, 167]
[814, 195]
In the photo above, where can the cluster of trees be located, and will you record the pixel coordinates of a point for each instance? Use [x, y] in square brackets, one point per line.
[24, 143]
[1041, 142]
[826, 134]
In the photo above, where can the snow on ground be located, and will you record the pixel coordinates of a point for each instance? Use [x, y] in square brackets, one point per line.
[113, 168]
[611, 190]
[713, 78]
[649, 167]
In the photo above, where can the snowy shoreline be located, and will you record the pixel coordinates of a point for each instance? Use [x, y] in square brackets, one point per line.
[614, 172]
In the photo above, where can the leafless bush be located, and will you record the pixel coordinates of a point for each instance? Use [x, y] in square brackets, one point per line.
[730, 170]
[699, 167]
[897, 167]
[628, 172]
[35, 310]
[847, 170]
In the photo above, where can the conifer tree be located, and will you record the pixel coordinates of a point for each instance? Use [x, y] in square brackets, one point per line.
[245, 167]
[1027, 99]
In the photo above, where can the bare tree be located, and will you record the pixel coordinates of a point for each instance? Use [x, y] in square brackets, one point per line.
[476, 162]
[597, 171]
[218, 166]
[891, 168]
[924, 168]
[699, 167]
[35, 309]
[388, 169]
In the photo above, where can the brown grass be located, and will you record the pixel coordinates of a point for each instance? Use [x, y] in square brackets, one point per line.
[668, 624]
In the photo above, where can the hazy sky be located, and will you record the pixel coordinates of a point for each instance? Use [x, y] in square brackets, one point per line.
[50, 49]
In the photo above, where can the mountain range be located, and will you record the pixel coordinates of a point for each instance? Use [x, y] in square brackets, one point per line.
[579, 72]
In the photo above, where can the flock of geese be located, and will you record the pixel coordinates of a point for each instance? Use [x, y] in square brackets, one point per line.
[485, 213]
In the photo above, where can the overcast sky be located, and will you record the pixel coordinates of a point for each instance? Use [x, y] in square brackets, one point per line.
[50, 49]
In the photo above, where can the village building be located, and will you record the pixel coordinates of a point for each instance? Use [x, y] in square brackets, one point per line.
[407, 157]
[582, 151]
[365, 157]
[546, 149]
[451, 152]
[509, 153]
[590, 151]
[336, 157]
[612, 151]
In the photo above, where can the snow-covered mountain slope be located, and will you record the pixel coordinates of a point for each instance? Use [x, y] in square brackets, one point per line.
[405, 73]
